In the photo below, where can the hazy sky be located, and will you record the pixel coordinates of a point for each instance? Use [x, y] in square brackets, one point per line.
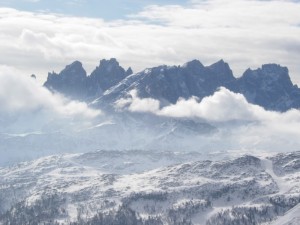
[37, 36]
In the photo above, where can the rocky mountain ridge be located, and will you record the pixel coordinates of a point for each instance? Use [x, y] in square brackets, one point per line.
[269, 86]
[74, 82]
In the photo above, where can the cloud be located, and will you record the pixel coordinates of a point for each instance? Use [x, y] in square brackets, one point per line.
[223, 106]
[236, 30]
[23, 100]
[241, 126]
[136, 104]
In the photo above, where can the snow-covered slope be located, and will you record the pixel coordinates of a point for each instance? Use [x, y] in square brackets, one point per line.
[291, 217]
[151, 188]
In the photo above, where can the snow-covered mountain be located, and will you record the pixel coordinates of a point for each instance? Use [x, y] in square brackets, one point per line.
[146, 187]
[269, 86]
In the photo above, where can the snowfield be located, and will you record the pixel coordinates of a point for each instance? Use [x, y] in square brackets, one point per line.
[152, 188]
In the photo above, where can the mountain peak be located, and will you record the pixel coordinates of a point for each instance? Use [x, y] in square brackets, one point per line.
[106, 75]
[76, 63]
[269, 86]
[110, 62]
[220, 65]
[70, 81]
[129, 71]
[272, 67]
[75, 69]
[222, 70]
[270, 71]
[193, 64]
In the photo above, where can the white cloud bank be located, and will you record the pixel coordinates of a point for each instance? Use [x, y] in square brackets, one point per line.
[23, 100]
[223, 106]
[256, 128]
[243, 32]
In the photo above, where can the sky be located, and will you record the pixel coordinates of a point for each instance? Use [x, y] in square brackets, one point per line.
[41, 36]
[108, 10]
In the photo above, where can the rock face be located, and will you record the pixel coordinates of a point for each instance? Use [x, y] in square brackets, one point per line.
[74, 82]
[168, 84]
[269, 86]
[71, 81]
[106, 75]
[192, 79]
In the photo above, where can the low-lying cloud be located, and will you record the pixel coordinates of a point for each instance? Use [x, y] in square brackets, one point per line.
[22, 99]
[241, 125]
[223, 106]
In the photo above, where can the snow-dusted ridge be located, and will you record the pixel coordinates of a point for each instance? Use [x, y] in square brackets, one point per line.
[152, 188]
